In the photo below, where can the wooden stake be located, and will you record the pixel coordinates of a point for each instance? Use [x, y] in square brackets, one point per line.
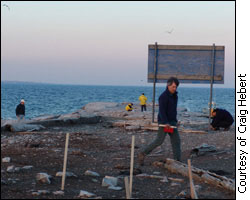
[65, 160]
[132, 165]
[127, 187]
[192, 189]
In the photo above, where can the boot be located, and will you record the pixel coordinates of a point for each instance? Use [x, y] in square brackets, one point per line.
[141, 157]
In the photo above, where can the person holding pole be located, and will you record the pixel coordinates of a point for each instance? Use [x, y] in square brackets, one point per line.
[167, 116]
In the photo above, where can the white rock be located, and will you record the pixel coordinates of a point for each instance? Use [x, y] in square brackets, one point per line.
[86, 194]
[17, 169]
[164, 180]
[91, 173]
[109, 181]
[115, 188]
[27, 167]
[58, 192]
[6, 160]
[43, 178]
[11, 169]
[68, 174]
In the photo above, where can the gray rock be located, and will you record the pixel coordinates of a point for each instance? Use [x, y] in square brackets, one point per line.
[117, 188]
[17, 127]
[68, 174]
[6, 160]
[86, 194]
[11, 169]
[109, 181]
[27, 167]
[43, 178]
[3, 182]
[91, 173]
[58, 192]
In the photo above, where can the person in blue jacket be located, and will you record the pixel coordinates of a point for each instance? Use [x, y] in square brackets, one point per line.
[167, 116]
[20, 110]
[221, 119]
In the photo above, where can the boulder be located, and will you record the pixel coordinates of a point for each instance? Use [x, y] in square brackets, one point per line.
[85, 194]
[6, 160]
[18, 127]
[91, 173]
[109, 181]
[68, 174]
[43, 178]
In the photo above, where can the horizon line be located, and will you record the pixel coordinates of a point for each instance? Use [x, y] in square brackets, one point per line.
[81, 84]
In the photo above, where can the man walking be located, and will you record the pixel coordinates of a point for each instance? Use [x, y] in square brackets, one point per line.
[20, 110]
[166, 116]
[143, 101]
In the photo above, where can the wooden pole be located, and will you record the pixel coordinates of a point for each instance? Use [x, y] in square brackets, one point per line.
[132, 165]
[155, 72]
[127, 187]
[192, 189]
[211, 83]
[65, 160]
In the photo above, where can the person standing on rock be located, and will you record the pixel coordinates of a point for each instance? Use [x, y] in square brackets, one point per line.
[20, 110]
[143, 101]
[167, 116]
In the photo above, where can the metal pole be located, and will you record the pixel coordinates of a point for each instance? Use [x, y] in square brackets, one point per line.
[155, 63]
[211, 83]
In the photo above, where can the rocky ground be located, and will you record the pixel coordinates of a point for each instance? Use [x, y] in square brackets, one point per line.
[105, 148]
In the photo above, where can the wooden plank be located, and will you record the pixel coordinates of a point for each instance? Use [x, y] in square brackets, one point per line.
[200, 175]
[127, 187]
[65, 160]
[186, 47]
[192, 189]
[132, 165]
[185, 77]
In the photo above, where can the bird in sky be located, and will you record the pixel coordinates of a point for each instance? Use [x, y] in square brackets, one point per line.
[6, 6]
[169, 31]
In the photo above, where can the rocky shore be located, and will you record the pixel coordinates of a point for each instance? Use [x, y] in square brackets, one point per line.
[99, 155]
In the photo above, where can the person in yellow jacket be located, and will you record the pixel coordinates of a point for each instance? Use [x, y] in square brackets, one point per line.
[143, 101]
[129, 107]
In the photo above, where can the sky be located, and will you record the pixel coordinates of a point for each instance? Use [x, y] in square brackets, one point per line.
[106, 43]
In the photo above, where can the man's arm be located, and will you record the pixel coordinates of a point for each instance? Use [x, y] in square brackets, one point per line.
[163, 102]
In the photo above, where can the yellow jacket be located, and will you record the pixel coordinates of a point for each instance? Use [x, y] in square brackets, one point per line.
[143, 100]
[129, 107]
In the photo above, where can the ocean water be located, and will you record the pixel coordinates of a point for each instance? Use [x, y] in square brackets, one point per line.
[46, 99]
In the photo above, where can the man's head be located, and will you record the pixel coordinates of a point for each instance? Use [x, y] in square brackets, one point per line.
[142, 93]
[214, 112]
[172, 84]
[22, 102]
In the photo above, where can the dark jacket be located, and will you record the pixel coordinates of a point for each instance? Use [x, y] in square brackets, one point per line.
[167, 107]
[20, 109]
[222, 115]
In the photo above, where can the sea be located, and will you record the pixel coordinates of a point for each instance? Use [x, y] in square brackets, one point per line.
[51, 99]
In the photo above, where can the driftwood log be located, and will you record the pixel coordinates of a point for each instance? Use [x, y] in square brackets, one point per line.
[200, 175]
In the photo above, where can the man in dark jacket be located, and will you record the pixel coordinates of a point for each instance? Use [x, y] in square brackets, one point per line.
[20, 110]
[166, 116]
[221, 118]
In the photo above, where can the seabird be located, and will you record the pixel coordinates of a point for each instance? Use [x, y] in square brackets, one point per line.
[6, 6]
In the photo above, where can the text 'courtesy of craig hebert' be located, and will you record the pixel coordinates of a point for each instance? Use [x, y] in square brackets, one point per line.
[241, 132]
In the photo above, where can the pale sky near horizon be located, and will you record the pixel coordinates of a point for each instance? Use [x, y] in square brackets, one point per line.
[106, 43]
